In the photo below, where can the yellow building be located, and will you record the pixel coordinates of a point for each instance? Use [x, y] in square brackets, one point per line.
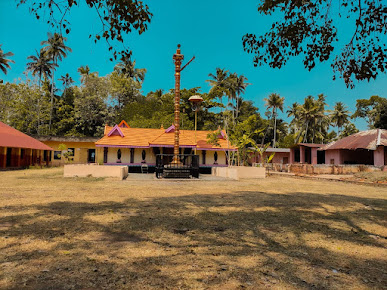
[71, 149]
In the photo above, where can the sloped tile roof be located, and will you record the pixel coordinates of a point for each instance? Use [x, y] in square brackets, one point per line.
[10, 137]
[143, 138]
[133, 137]
[369, 139]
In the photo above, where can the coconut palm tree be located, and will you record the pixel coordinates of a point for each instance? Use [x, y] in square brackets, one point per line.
[40, 65]
[339, 116]
[67, 81]
[55, 49]
[274, 102]
[240, 87]
[4, 61]
[219, 83]
[128, 68]
[84, 71]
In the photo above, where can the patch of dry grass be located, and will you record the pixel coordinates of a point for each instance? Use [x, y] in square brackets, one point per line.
[378, 177]
[58, 233]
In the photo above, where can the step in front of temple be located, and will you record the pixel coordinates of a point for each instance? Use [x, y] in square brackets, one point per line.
[176, 173]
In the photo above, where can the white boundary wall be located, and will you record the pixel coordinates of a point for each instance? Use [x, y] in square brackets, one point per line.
[94, 170]
[239, 172]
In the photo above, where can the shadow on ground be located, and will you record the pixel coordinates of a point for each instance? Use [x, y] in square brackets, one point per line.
[240, 240]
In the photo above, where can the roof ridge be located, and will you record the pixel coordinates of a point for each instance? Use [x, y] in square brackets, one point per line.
[378, 138]
[163, 132]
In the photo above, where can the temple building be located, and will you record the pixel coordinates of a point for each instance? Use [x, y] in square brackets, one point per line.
[18, 150]
[135, 147]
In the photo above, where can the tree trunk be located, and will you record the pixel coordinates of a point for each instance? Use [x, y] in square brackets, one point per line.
[306, 132]
[52, 99]
[275, 126]
[237, 106]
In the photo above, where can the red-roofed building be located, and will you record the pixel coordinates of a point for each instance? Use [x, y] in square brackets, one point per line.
[365, 147]
[19, 150]
[307, 153]
[122, 144]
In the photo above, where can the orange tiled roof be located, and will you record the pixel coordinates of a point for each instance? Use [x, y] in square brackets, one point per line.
[10, 137]
[143, 138]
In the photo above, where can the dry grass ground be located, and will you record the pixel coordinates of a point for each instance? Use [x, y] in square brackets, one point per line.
[58, 233]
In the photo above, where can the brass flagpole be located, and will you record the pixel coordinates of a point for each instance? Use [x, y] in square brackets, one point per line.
[177, 58]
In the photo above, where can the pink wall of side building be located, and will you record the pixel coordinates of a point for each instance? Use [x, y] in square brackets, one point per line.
[337, 157]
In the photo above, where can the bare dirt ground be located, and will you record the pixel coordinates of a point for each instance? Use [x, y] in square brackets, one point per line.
[89, 233]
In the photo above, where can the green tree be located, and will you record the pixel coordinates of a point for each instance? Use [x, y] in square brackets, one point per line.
[311, 29]
[4, 60]
[40, 65]
[274, 102]
[55, 49]
[339, 116]
[67, 81]
[369, 109]
[381, 121]
[308, 114]
[123, 89]
[84, 71]
[240, 87]
[348, 130]
[127, 67]
[24, 107]
[219, 84]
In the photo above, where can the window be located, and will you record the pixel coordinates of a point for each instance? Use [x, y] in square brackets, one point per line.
[119, 156]
[71, 152]
[57, 155]
[204, 157]
[22, 153]
[105, 154]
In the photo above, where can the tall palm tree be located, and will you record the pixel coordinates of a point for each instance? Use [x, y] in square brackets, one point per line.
[84, 71]
[240, 88]
[55, 48]
[40, 65]
[128, 68]
[274, 102]
[339, 116]
[67, 81]
[4, 61]
[219, 83]
[309, 112]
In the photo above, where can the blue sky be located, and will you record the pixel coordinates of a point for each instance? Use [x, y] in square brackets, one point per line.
[210, 30]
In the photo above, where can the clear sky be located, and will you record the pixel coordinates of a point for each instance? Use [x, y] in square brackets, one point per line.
[209, 29]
